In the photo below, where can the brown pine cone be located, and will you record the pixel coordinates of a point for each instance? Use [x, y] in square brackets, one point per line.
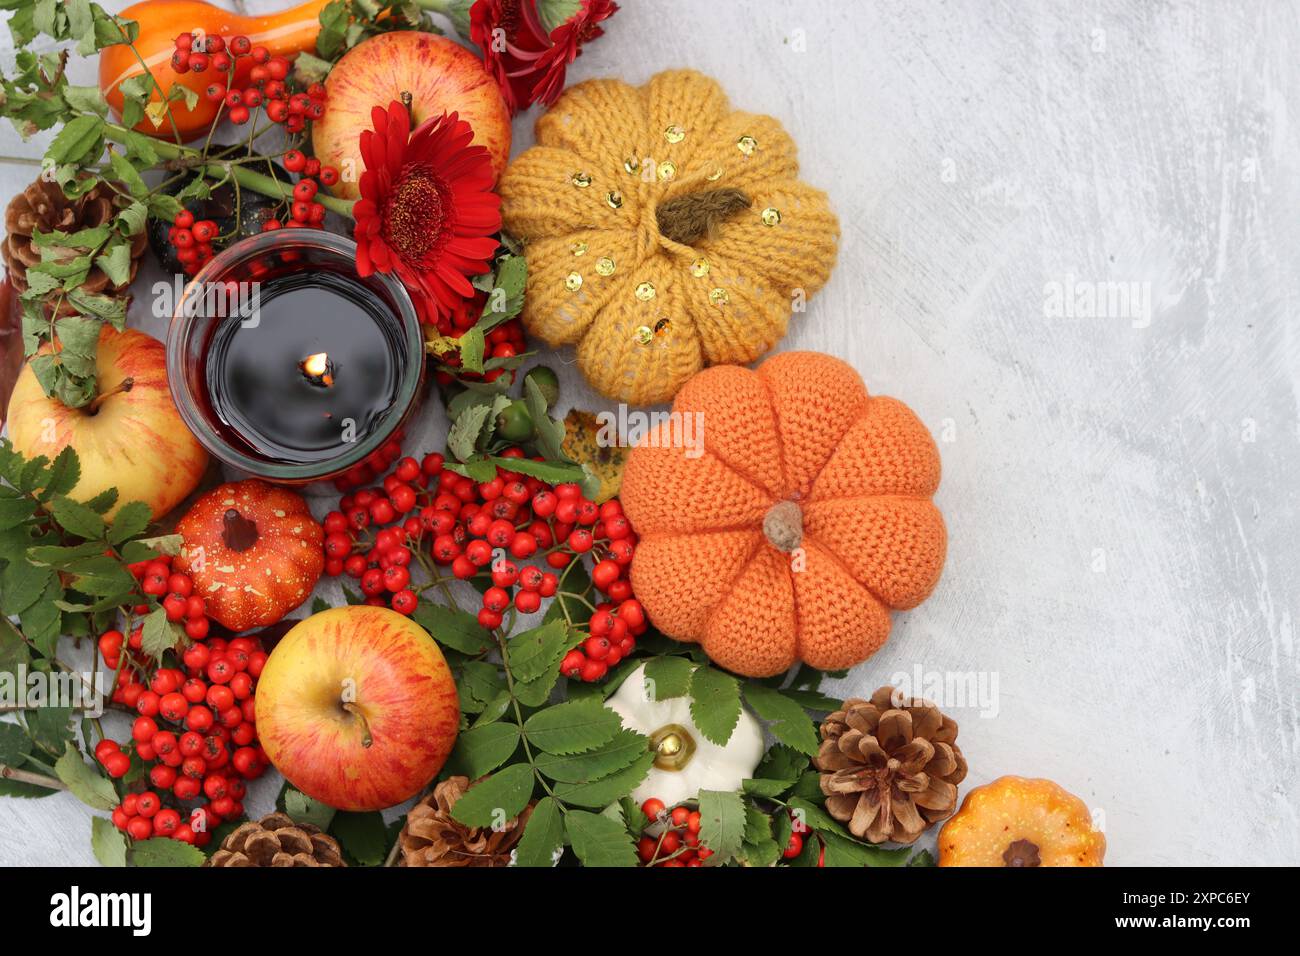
[43, 207]
[889, 772]
[275, 840]
[432, 837]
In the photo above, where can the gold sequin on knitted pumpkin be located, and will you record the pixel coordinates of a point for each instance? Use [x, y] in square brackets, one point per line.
[667, 170]
[573, 282]
[674, 134]
[581, 180]
[614, 198]
[605, 266]
[771, 216]
[579, 248]
[643, 335]
[714, 176]
[719, 297]
[700, 268]
[631, 165]
[747, 145]
[645, 291]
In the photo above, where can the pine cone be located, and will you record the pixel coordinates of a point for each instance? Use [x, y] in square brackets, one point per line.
[432, 837]
[43, 207]
[275, 840]
[889, 772]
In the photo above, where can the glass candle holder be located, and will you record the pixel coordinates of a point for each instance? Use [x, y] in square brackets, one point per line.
[286, 364]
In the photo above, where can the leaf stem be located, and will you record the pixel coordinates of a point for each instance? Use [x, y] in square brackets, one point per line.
[26, 776]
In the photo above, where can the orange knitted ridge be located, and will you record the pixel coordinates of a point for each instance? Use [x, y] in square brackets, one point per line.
[804, 521]
[646, 311]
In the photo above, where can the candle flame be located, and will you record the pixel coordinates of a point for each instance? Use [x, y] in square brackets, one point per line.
[317, 367]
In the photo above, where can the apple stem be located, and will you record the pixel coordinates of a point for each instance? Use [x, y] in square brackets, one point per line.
[123, 386]
[355, 711]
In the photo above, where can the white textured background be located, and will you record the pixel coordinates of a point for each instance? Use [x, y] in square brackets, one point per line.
[1121, 500]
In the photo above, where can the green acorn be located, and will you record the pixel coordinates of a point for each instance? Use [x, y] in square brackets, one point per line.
[546, 381]
[514, 424]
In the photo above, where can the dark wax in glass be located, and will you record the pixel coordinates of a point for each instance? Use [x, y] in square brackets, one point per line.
[259, 390]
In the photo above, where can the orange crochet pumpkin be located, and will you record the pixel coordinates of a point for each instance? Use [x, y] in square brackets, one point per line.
[799, 521]
[253, 550]
[1016, 821]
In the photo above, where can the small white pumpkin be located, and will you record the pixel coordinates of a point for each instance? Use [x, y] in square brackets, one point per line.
[687, 761]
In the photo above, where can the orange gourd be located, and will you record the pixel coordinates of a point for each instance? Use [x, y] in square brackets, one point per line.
[783, 512]
[1017, 821]
[287, 33]
[253, 550]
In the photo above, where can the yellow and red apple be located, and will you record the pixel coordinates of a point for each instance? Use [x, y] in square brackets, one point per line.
[440, 75]
[131, 437]
[357, 708]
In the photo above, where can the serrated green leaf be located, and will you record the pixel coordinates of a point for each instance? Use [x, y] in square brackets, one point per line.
[759, 848]
[482, 749]
[543, 835]
[80, 140]
[14, 509]
[761, 787]
[602, 792]
[164, 851]
[42, 621]
[21, 585]
[549, 433]
[788, 721]
[722, 823]
[599, 841]
[103, 501]
[471, 350]
[669, 677]
[65, 472]
[453, 628]
[715, 703]
[15, 745]
[624, 748]
[304, 809]
[363, 836]
[572, 727]
[76, 518]
[84, 782]
[533, 651]
[158, 635]
[131, 520]
[50, 728]
[107, 842]
[462, 437]
[496, 799]
[551, 472]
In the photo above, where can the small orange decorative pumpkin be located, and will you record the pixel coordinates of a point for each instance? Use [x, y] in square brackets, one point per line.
[783, 512]
[1017, 821]
[254, 552]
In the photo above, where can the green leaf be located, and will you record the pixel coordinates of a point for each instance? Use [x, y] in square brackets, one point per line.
[669, 676]
[471, 350]
[624, 748]
[715, 703]
[549, 432]
[602, 792]
[50, 728]
[453, 628]
[482, 749]
[65, 472]
[782, 763]
[497, 799]
[132, 518]
[14, 509]
[87, 99]
[21, 585]
[761, 787]
[80, 140]
[842, 851]
[478, 683]
[159, 635]
[572, 727]
[599, 841]
[304, 809]
[103, 501]
[722, 823]
[788, 721]
[543, 835]
[42, 621]
[533, 651]
[84, 782]
[551, 472]
[363, 836]
[164, 851]
[759, 847]
[462, 437]
[76, 518]
[116, 263]
[14, 745]
[107, 842]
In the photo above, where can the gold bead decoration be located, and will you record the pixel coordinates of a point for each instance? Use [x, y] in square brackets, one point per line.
[643, 335]
[581, 180]
[667, 170]
[631, 165]
[771, 216]
[747, 145]
[605, 266]
[674, 134]
[614, 198]
[700, 268]
[579, 248]
[573, 282]
[719, 297]
[645, 291]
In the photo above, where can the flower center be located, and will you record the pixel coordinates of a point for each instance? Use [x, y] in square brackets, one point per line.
[416, 212]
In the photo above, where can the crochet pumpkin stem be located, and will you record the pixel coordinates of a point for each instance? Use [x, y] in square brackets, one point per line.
[783, 526]
[688, 219]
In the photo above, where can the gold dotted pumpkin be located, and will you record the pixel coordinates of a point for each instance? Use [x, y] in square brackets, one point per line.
[664, 232]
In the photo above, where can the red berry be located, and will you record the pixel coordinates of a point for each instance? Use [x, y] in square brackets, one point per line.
[794, 847]
[239, 115]
[196, 628]
[198, 62]
[139, 828]
[117, 764]
[305, 189]
[593, 670]
[260, 54]
[528, 601]
[329, 176]
[404, 601]
[652, 808]
[293, 160]
[571, 666]
[220, 61]
[239, 45]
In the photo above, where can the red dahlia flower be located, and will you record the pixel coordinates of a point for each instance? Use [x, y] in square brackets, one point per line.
[527, 57]
[427, 212]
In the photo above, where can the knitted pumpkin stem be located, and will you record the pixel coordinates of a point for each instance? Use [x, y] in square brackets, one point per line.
[783, 526]
[690, 218]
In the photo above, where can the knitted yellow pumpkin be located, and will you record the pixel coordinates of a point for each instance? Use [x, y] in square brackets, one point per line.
[664, 232]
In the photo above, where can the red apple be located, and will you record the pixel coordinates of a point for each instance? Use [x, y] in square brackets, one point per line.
[357, 707]
[441, 76]
[131, 437]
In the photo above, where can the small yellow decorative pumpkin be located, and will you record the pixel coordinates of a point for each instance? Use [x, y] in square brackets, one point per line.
[664, 232]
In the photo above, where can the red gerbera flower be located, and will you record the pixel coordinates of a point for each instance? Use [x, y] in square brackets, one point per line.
[527, 61]
[427, 212]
